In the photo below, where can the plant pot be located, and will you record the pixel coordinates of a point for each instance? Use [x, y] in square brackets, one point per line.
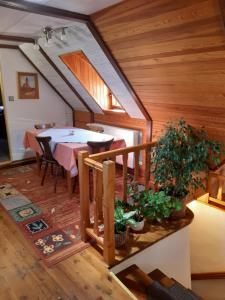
[138, 226]
[121, 238]
[181, 213]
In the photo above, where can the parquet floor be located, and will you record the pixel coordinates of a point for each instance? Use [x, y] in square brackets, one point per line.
[83, 276]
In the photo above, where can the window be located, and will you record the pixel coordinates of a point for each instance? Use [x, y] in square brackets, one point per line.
[81, 67]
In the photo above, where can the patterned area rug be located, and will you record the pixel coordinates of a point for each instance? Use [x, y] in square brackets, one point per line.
[49, 221]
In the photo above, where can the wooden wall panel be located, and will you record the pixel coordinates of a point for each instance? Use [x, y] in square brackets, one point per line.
[173, 54]
[79, 65]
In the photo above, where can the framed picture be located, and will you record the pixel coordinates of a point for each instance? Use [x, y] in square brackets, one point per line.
[28, 85]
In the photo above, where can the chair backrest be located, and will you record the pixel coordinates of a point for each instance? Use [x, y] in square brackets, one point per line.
[44, 142]
[44, 126]
[97, 147]
[94, 127]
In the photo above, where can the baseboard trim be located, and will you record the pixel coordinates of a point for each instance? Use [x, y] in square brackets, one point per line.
[17, 163]
[205, 276]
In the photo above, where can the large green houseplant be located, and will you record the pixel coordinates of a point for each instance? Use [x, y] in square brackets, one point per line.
[181, 156]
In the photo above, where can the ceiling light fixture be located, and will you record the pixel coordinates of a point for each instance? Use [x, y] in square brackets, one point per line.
[63, 34]
[36, 45]
[49, 33]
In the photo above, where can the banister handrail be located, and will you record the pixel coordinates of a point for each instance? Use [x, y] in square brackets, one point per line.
[103, 167]
[93, 164]
[121, 151]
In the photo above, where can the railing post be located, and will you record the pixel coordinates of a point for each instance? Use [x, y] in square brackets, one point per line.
[147, 166]
[125, 159]
[84, 194]
[108, 211]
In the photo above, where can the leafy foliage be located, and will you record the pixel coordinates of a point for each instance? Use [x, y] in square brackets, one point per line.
[180, 156]
[122, 218]
[158, 205]
[136, 202]
[151, 205]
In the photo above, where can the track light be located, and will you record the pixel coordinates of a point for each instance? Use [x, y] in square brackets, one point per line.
[48, 31]
[36, 45]
[63, 34]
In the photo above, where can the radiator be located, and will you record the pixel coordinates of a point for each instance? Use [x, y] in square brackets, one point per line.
[132, 138]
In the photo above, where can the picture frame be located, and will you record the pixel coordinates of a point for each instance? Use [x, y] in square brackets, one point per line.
[28, 87]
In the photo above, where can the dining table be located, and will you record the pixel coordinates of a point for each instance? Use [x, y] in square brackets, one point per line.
[65, 144]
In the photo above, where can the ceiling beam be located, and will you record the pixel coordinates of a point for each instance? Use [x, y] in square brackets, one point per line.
[41, 9]
[6, 46]
[16, 38]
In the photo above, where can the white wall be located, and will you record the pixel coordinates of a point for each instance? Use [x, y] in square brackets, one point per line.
[207, 238]
[171, 255]
[23, 114]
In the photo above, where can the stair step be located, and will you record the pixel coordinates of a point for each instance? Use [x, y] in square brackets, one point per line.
[154, 286]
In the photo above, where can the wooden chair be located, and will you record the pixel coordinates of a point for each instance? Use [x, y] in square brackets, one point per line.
[48, 158]
[97, 147]
[95, 128]
[44, 126]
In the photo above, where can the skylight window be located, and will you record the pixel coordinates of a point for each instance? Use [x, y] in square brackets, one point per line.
[81, 67]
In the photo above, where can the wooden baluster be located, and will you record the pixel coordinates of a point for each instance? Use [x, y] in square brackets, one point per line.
[147, 166]
[100, 195]
[84, 194]
[96, 214]
[108, 210]
[125, 159]
[136, 165]
[97, 187]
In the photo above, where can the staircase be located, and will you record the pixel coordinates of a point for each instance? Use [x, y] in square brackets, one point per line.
[154, 286]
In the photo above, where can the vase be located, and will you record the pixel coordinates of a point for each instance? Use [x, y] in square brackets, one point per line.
[138, 226]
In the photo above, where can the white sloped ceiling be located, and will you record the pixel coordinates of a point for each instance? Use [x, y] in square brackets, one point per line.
[79, 37]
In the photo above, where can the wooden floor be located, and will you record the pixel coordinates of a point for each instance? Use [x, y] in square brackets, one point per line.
[22, 276]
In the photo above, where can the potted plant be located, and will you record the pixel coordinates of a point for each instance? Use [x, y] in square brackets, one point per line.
[121, 220]
[159, 206]
[136, 203]
[180, 157]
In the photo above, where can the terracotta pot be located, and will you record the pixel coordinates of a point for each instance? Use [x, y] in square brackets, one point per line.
[138, 226]
[121, 238]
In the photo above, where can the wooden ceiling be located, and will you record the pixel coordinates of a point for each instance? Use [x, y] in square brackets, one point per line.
[173, 54]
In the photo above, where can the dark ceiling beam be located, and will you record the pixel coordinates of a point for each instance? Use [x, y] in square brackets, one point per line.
[6, 46]
[49, 83]
[16, 38]
[65, 80]
[44, 10]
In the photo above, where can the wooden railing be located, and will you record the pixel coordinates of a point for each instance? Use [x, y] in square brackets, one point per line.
[215, 189]
[101, 167]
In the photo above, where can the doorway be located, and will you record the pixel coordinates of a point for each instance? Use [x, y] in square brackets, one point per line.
[4, 147]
